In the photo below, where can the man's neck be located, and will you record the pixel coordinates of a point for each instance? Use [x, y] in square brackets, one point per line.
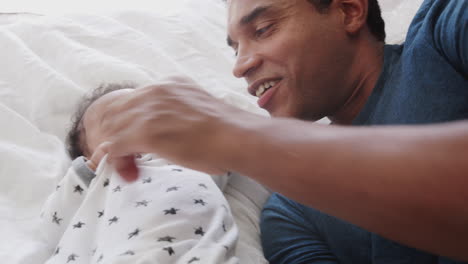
[366, 72]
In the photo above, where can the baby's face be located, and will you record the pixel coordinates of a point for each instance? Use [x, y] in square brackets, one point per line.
[92, 120]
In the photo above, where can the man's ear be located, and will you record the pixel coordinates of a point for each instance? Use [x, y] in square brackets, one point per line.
[354, 14]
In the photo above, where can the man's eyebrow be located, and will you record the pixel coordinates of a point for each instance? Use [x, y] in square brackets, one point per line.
[254, 14]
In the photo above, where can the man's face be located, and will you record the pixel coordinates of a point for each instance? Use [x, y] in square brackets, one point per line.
[293, 57]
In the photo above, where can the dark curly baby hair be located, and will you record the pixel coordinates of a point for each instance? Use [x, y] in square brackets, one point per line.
[75, 140]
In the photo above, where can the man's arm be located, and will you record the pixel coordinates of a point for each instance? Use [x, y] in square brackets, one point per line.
[405, 183]
[408, 184]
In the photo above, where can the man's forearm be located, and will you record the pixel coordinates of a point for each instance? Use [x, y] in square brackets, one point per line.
[406, 183]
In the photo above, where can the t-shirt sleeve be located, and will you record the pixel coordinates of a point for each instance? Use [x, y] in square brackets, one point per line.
[451, 33]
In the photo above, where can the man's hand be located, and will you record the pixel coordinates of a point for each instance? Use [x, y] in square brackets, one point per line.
[175, 119]
[97, 156]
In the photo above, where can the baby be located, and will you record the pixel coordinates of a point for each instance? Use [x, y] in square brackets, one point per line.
[170, 215]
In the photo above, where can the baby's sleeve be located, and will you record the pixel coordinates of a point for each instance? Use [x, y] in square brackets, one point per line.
[62, 204]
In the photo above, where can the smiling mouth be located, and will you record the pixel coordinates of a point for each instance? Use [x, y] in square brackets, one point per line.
[262, 88]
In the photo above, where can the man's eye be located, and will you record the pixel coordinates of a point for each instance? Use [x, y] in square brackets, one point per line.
[263, 30]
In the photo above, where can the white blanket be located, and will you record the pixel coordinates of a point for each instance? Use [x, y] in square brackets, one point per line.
[48, 62]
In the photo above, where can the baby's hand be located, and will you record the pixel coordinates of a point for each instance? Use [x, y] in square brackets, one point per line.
[97, 156]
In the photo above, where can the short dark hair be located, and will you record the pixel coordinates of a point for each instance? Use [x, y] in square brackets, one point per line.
[375, 21]
[75, 141]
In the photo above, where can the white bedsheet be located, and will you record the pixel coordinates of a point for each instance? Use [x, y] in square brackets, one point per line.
[48, 62]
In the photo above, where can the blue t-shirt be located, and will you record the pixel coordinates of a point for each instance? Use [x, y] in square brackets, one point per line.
[425, 80]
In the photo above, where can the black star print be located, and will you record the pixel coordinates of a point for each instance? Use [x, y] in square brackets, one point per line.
[100, 258]
[100, 213]
[128, 252]
[78, 225]
[117, 189]
[78, 189]
[56, 219]
[57, 251]
[106, 183]
[147, 180]
[193, 260]
[134, 233]
[176, 170]
[200, 201]
[169, 250]
[199, 231]
[175, 188]
[203, 185]
[142, 203]
[57, 187]
[224, 227]
[93, 252]
[166, 239]
[72, 257]
[171, 211]
[113, 220]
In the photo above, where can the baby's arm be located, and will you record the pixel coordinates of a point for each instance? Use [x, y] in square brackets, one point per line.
[62, 204]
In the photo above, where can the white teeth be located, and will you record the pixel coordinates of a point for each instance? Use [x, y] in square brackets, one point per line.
[263, 87]
[260, 90]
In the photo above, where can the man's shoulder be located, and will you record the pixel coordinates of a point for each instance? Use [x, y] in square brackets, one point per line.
[437, 17]
[441, 27]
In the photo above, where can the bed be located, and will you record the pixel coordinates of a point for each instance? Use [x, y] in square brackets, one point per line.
[49, 61]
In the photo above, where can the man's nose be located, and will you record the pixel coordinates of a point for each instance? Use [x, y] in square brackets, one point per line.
[246, 63]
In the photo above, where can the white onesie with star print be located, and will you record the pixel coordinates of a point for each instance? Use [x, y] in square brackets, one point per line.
[170, 215]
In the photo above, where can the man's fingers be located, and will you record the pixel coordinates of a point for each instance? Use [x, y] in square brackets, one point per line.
[91, 165]
[97, 155]
[126, 167]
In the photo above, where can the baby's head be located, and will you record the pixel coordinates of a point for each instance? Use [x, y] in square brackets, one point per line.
[84, 135]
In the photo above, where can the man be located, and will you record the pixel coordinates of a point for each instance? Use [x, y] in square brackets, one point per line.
[310, 59]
